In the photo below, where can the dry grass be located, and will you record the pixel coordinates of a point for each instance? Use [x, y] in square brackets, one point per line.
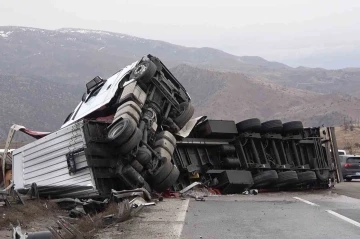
[29, 213]
[35, 216]
[89, 225]
[348, 140]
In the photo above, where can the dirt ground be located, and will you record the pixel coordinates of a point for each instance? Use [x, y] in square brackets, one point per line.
[34, 216]
[37, 216]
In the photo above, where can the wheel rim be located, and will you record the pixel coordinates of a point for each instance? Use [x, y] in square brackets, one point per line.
[116, 129]
[181, 109]
[140, 69]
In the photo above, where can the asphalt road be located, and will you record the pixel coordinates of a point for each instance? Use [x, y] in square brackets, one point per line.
[279, 215]
[316, 214]
[351, 189]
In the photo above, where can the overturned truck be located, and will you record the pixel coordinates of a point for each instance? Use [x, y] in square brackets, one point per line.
[134, 129]
[271, 154]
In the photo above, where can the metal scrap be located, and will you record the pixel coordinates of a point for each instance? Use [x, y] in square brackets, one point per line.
[250, 192]
[194, 184]
[65, 230]
[9, 193]
[197, 190]
[3, 198]
[18, 234]
[67, 203]
[142, 192]
[80, 208]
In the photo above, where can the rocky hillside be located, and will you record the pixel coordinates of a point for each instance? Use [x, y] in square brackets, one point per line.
[43, 74]
[36, 104]
[237, 96]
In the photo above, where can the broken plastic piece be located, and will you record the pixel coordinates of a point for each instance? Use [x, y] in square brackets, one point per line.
[190, 187]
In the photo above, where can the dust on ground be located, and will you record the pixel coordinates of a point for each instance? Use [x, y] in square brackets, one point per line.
[33, 216]
[37, 216]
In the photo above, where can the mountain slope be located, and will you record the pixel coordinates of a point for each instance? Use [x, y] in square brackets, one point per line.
[36, 104]
[77, 55]
[43, 75]
[237, 96]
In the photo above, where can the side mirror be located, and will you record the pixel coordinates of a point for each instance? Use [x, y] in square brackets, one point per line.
[68, 117]
[83, 98]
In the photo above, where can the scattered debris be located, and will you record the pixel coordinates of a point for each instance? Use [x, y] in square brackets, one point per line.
[142, 192]
[80, 208]
[18, 234]
[198, 191]
[194, 184]
[199, 199]
[3, 198]
[65, 230]
[250, 192]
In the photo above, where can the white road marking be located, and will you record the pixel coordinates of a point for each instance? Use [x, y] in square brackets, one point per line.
[181, 218]
[306, 201]
[355, 223]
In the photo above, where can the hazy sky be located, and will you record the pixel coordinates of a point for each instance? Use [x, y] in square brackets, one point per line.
[314, 33]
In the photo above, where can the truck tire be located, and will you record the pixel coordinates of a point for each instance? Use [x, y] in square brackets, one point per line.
[265, 178]
[322, 175]
[143, 72]
[293, 126]
[167, 135]
[253, 125]
[169, 181]
[187, 111]
[306, 177]
[165, 144]
[162, 172]
[121, 131]
[133, 176]
[143, 156]
[272, 126]
[163, 153]
[130, 114]
[130, 109]
[286, 178]
[132, 142]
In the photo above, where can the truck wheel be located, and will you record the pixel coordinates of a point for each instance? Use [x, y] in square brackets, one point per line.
[265, 178]
[163, 153]
[272, 126]
[293, 126]
[306, 177]
[169, 181]
[167, 135]
[121, 131]
[165, 144]
[323, 174]
[162, 172]
[143, 156]
[132, 142]
[249, 125]
[348, 179]
[187, 111]
[286, 178]
[143, 72]
[128, 109]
